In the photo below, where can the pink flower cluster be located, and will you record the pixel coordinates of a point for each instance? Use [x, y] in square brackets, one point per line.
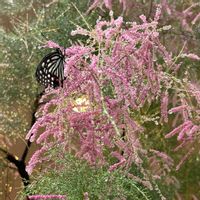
[42, 197]
[119, 73]
[187, 16]
[188, 131]
[183, 19]
[108, 4]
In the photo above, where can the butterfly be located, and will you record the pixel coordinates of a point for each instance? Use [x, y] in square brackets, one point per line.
[50, 71]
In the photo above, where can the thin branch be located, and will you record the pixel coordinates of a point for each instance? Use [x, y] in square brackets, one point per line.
[28, 144]
[20, 165]
[150, 10]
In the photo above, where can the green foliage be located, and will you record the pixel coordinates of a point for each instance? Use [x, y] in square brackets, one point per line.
[76, 177]
[189, 177]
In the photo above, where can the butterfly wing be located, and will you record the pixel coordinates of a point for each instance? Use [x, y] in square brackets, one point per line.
[50, 71]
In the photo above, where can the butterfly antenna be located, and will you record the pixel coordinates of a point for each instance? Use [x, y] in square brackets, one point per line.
[42, 34]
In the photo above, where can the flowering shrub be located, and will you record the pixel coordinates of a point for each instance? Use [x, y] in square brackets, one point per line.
[187, 17]
[108, 4]
[80, 181]
[111, 83]
[182, 16]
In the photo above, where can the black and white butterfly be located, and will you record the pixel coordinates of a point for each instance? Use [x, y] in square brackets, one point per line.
[50, 71]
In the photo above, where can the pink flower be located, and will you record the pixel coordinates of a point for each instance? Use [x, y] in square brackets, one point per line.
[188, 10]
[36, 158]
[164, 105]
[179, 128]
[194, 89]
[41, 197]
[118, 22]
[121, 159]
[191, 55]
[184, 158]
[177, 109]
[196, 19]
[51, 44]
[162, 155]
[166, 7]
[143, 18]
[108, 4]
[184, 130]
[158, 13]
[194, 129]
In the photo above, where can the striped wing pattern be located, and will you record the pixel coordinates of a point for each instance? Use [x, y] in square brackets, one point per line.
[50, 71]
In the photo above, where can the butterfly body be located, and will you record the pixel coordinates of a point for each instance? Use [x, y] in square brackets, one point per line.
[50, 71]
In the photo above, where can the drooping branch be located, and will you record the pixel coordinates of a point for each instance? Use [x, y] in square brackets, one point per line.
[150, 10]
[36, 106]
[20, 166]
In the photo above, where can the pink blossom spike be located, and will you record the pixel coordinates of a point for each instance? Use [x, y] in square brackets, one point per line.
[51, 44]
[164, 105]
[35, 159]
[143, 18]
[177, 109]
[184, 131]
[178, 129]
[116, 165]
[194, 129]
[191, 55]
[196, 19]
[51, 197]
[108, 4]
[158, 13]
[165, 6]
[184, 158]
